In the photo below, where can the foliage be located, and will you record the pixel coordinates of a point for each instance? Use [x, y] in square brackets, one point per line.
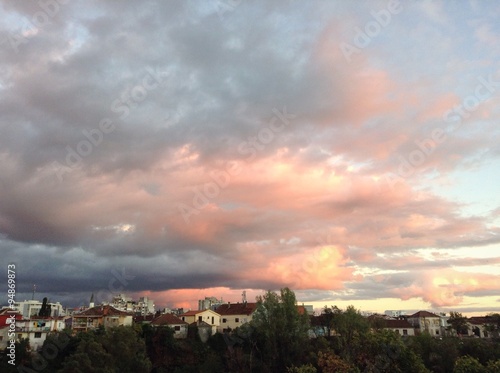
[468, 364]
[329, 362]
[458, 323]
[350, 326]
[45, 310]
[280, 330]
[493, 366]
[385, 351]
[306, 368]
[118, 349]
[22, 357]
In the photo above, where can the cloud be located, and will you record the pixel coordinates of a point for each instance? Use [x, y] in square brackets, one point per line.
[239, 153]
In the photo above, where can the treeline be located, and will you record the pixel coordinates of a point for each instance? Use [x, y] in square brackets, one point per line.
[276, 340]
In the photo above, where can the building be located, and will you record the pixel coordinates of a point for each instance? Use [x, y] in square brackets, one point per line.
[6, 316]
[37, 328]
[210, 317]
[30, 308]
[234, 315]
[209, 303]
[180, 327]
[144, 306]
[123, 303]
[106, 316]
[400, 326]
[424, 321]
[478, 327]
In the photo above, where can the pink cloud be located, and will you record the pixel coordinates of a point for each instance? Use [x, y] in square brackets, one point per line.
[447, 287]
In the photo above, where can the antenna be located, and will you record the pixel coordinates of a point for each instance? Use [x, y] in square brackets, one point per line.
[244, 296]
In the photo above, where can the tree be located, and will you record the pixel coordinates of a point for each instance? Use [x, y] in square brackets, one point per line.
[116, 350]
[458, 323]
[493, 324]
[468, 364]
[45, 309]
[351, 326]
[326, 319]
[281, 330]
[331, 363]
[384, 351]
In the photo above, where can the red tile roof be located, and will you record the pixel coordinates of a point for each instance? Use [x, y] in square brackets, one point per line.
[420, 314]
[236, 309]
[192, 313]
[478, 320]
[106, 310]
[167, 319]
[397, 324]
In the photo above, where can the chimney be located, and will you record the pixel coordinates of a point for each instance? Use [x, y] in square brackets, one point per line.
[228, 304]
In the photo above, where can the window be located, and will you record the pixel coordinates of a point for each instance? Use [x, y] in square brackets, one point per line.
[183, 318]
[38, 335]
[200, 319]
[397, 331]
[1, 337]
[405, 331]
[224, 321]
[212, 320]
[177, 327]
[437, 332]
[237, 319]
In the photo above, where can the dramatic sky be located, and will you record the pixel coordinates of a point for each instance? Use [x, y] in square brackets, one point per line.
[180, 149]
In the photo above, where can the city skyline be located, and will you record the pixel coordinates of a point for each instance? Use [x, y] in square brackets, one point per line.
[178, 150]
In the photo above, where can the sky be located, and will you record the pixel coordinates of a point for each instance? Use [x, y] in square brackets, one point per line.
[183, 149]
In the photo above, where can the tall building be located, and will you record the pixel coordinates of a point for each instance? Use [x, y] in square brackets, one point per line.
[209, 303]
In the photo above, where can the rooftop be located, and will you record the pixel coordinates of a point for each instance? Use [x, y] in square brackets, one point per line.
[167, 319]
[236, 309]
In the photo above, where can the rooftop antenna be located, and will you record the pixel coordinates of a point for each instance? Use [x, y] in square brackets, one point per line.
[244, 296]
[34, 290]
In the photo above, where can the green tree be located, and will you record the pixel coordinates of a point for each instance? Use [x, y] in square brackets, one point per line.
[458, 323]
[493, 366]
[468, 364]
[281, 330]
[384, 351]
[351, 327]
[116, 350]
[45, 309]
[308, 368]
[90, 357]
[326, 319]
[329, 362]
[493, 324]
[127, 349]
[22, 358]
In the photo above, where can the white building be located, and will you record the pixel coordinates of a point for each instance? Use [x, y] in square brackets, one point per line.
[36, 329]
[424, 321]
[233, 315]
[145, 306]
[29, 308]
[209, 317]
